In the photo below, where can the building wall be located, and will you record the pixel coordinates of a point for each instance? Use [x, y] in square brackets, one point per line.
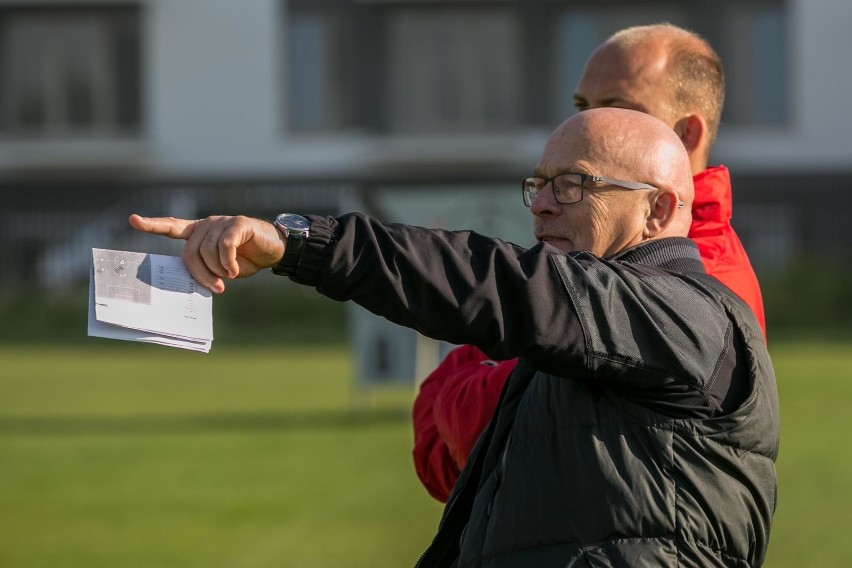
[215, 94]
[214, 99]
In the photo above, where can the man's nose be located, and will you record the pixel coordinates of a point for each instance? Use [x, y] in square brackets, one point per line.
[545, 202]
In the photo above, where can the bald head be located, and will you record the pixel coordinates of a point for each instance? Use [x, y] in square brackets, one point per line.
[621, 145]
[628, 145]
[662, 70]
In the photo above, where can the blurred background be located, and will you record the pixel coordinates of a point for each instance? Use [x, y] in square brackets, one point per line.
[418, 111]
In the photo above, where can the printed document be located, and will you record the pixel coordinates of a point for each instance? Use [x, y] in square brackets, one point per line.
[148, 297]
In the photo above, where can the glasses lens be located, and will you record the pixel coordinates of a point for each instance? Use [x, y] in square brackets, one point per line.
[568, 188]
[531, 187]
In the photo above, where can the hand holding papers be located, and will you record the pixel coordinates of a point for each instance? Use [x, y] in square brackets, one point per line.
[148, 297]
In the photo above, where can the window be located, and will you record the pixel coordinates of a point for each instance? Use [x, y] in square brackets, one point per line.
[69, 72]
[452, 69]
[316, 75]
[753, 48]
[402, 67]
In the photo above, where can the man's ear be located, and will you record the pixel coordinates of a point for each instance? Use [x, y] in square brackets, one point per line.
[664, 207]
[692, 130]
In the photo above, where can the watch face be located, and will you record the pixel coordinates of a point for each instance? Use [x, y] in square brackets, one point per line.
[293, 222]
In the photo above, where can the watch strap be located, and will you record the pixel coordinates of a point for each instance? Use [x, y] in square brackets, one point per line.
[292, 255]
[295, 236]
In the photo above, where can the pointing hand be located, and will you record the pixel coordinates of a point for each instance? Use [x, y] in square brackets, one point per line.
[219, 247]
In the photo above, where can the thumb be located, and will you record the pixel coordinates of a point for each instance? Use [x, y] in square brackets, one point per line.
[166, 226]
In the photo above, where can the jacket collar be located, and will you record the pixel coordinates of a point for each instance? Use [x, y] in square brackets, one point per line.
[713, 202]
[678, 254]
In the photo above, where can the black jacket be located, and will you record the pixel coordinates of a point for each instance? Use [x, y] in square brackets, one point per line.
[641, 425]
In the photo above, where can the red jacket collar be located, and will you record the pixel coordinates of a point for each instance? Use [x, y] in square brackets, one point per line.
[713, 202]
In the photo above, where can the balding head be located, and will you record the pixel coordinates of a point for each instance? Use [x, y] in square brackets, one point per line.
[663, 70]
[620, 145]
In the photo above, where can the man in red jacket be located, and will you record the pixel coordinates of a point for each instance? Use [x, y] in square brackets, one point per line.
[675, 76]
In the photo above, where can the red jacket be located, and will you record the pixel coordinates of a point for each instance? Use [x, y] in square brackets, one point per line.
[457, 399]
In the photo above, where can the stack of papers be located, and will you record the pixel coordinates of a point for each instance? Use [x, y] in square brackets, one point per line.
[148, 297]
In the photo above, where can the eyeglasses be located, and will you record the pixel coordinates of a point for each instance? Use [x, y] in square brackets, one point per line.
[570, 187]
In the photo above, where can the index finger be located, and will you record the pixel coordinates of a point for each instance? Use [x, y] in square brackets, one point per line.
[167, 226]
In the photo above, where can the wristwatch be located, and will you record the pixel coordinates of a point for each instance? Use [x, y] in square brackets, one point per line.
[295, 229]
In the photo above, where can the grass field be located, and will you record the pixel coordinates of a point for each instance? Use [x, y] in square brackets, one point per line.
[142, 456]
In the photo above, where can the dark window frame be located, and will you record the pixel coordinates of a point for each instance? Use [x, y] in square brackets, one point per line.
[115, 75]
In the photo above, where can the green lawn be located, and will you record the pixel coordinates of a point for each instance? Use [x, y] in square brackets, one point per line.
[813, 522]
[151, 457]
[132, 455]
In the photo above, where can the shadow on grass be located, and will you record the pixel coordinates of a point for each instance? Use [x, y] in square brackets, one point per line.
[200, 423]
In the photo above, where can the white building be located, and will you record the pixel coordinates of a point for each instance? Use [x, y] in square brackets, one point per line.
[420, 110]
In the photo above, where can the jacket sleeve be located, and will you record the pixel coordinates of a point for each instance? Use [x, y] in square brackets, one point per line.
[452, 408]
[649, 332]
[459, 287]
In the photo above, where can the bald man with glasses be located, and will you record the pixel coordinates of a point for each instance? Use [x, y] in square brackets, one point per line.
[640, 426]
